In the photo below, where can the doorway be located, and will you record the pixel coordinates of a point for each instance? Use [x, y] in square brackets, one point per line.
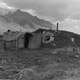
[27, 37]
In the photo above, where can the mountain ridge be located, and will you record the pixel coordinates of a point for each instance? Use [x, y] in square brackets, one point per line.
[23, 18]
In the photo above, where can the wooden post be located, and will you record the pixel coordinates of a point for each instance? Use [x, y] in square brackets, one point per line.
[74, 45]
[4, 45]
[16, 44]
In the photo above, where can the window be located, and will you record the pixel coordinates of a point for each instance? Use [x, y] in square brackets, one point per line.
[48, 37]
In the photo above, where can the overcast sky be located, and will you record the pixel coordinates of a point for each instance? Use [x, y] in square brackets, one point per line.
[65, 11]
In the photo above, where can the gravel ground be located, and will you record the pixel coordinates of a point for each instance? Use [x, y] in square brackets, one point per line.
[42, 65]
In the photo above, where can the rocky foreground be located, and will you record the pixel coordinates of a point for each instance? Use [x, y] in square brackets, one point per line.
[42, 65]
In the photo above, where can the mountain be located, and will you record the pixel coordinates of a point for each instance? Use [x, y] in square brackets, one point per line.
[4, 11]
[24, 20]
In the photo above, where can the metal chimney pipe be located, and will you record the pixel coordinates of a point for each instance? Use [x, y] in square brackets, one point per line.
[57, 27]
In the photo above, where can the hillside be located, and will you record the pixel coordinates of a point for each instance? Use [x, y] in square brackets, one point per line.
[24, 20]
[62, 39]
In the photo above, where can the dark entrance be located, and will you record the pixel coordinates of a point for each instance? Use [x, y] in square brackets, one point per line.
[27, 37]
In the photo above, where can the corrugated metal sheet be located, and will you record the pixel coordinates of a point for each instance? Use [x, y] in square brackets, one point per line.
[35, 41]
[8, 36]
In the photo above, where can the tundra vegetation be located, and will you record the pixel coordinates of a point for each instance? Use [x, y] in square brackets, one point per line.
[40, 65]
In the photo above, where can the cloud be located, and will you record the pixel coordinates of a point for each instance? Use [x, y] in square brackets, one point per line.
[53, 9]
[48, 8]
[65, 11]
[31, 11]
[5, 6]
[75, 16]
[70, 25]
